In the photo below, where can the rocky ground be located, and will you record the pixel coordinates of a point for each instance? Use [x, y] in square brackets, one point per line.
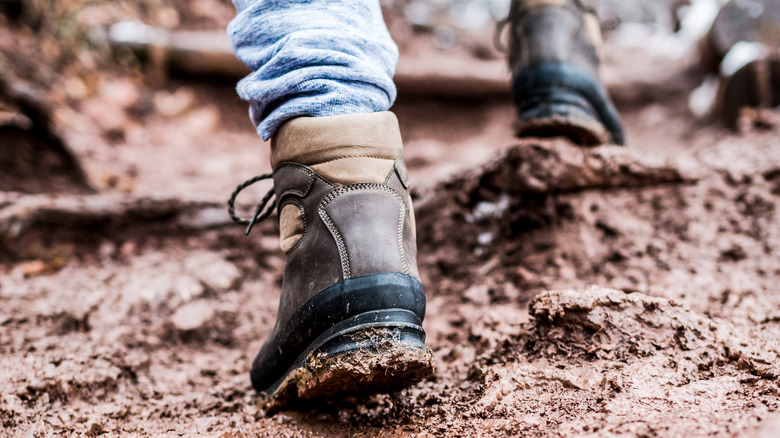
[602, 292]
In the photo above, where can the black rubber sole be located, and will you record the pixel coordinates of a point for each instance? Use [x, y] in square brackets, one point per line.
[375, 318]
[556, 99]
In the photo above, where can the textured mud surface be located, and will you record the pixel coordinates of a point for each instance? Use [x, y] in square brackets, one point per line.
[601, 292]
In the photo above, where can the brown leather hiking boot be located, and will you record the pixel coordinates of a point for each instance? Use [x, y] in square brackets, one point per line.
[553, 54]
[351, 310]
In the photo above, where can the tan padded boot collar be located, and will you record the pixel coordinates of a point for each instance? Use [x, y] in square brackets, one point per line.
[316, 140]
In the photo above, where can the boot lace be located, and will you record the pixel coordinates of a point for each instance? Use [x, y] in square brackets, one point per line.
[263, 209]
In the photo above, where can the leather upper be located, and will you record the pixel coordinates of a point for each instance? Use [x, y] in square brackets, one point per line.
[553, 31]
[348, 231]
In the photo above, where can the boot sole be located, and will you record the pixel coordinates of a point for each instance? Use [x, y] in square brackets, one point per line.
[374, 319]
[558, 99]
[561, 121]
[373, 352]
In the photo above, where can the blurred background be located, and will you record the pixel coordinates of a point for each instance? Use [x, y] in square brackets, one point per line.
[135, 96]
[131, 305]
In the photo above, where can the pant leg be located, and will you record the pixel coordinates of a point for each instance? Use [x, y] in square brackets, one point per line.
[313, 58]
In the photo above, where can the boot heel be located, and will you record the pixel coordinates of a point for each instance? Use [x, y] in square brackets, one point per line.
[375, 351]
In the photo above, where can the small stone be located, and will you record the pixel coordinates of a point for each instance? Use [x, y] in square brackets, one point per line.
[478, 294]
[214, 271]
[193, 315]
[122, 93]
[526, 276]
[106, 115]
[127, 249]
[203, 120]
[39, 267]
[95, 429]
[173, 104]
[107, 250]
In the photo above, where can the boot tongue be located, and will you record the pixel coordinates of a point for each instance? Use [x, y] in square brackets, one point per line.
[345, 149]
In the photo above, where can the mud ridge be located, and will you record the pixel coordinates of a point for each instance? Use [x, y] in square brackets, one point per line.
[598, 323]
[29, 223]
[597, 349]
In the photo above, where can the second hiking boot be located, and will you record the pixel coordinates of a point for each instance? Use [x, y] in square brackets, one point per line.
[553, 54]
[351, 309]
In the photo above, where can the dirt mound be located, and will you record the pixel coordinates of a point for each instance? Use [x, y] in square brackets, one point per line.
[596, 323]
[558, 166]
[33, 155]
[514, 216]
[608, 324]
[596, 351]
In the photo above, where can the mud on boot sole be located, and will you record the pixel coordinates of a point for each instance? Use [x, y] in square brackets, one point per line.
[580, 129]
[377, 351]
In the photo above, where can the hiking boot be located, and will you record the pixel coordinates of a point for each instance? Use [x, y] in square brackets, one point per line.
[553, 54]
[749, 91]
[744, 45]
[351, 309]
[756, 21]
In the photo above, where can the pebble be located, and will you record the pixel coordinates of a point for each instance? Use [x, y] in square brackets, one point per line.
[193, 315]
[215, 272]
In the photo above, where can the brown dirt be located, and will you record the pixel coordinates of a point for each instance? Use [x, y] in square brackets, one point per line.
[33, 155]
[600, 292]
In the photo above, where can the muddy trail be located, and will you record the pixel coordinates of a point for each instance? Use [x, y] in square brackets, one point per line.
[571, 292]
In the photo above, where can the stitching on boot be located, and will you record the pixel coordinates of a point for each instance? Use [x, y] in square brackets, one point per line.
[378, 157]
[337, 236]
[404, 263]
[312, 178]
[339, 242]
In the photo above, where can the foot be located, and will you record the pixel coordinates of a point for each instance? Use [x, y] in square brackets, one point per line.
[554, 61]
[351, 310]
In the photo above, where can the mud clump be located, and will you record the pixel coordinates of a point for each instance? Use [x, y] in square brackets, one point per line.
[606, 324]
[595, 352]
[609, 324]
[382, 363]
[559, 166]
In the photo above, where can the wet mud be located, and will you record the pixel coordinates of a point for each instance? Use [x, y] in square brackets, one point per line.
[381, 361]
[571, 292]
